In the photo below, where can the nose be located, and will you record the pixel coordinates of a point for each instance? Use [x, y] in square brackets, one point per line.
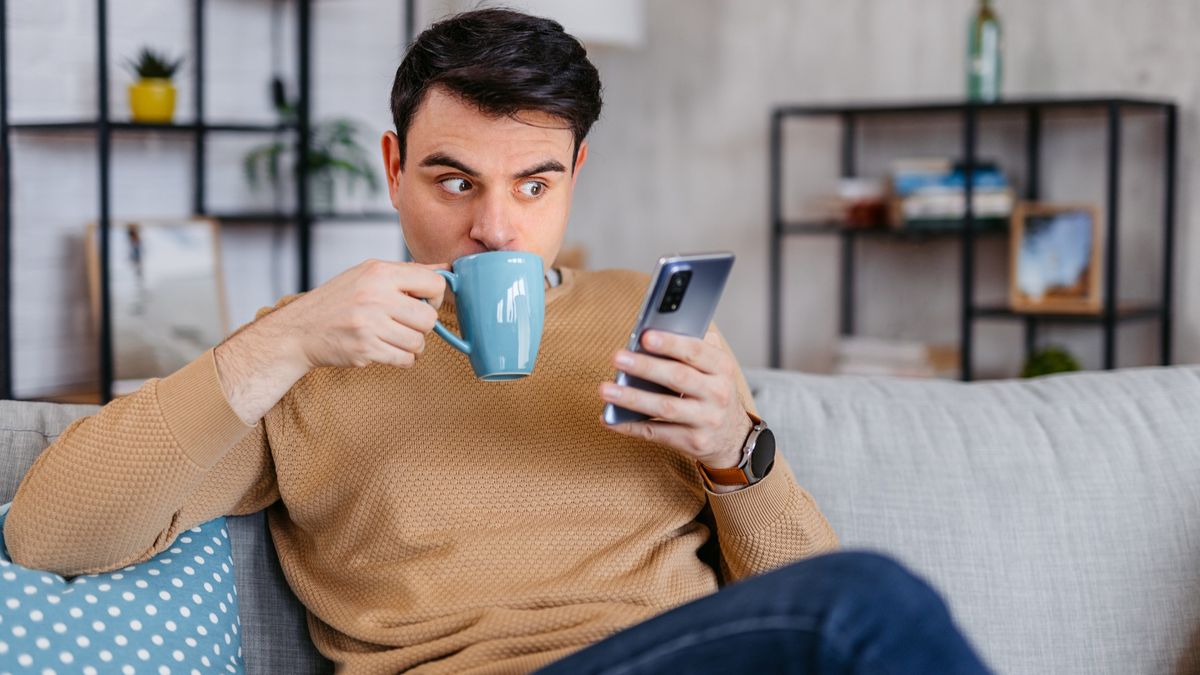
[495, 224]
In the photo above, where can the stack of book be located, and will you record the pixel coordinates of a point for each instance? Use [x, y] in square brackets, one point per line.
[897, 358]
[929, 194]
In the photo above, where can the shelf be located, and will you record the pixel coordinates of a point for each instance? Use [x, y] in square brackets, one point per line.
[391, 217]
[1126, 312]
[816, 228]
[958, 106]
[184, 127]
[272, 218]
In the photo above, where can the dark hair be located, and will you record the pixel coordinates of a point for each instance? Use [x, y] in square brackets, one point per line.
[504, 62]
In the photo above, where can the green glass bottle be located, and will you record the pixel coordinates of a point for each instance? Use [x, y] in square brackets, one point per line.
[984, 57]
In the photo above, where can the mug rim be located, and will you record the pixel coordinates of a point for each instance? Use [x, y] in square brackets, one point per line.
[482, 254]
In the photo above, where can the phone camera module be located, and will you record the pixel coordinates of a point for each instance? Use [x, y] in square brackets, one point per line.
[676, 287]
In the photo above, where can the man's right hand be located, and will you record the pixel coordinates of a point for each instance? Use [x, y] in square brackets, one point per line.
[371, 313]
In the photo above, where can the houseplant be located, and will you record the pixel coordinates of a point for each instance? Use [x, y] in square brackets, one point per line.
[334, 152]
[1050, 360]
[152, 96]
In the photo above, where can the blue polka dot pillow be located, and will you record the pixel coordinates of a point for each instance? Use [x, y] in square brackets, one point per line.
[174, 613]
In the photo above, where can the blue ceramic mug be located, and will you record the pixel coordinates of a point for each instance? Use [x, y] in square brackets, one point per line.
[501, 304]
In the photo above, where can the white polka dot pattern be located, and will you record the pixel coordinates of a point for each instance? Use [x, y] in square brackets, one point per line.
[134, 620]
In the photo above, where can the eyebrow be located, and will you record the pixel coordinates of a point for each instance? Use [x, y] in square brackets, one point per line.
[546, 166]
[442, 159]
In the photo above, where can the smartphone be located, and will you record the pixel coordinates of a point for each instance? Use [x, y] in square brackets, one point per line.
[682, 299]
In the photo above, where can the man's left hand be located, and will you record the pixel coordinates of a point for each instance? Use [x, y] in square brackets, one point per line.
[707, 421]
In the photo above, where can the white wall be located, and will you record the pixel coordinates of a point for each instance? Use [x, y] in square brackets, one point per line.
[678, 160]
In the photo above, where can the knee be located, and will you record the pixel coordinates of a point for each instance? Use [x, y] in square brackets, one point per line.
[873, 582]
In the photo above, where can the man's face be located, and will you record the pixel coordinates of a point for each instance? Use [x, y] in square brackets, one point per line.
[472, 182]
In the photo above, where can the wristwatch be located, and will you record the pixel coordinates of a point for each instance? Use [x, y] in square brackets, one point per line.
[758, 456]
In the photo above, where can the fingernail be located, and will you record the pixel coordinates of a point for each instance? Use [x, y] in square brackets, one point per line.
[624, 358]
[653, 340]
[611, 391]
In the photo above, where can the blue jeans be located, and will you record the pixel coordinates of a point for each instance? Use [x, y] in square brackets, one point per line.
[837, 613]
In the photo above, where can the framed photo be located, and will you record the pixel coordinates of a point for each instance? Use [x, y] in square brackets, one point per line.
[1055, 258]
[166, 295]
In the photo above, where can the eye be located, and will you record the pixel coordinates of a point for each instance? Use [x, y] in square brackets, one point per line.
[455, 186]
[532, 188]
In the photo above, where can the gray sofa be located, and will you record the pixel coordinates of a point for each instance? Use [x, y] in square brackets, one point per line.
[1060, 517]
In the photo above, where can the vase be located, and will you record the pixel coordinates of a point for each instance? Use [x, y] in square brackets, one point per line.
[152, 100]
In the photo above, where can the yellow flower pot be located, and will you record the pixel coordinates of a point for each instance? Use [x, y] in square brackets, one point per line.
[152, 100]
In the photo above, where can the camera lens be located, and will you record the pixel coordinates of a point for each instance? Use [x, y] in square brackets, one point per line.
[676, 287]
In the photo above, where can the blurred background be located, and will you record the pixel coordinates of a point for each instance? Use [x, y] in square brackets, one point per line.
[1072, 106]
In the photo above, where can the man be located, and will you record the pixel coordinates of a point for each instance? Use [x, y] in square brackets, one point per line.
[436, 523]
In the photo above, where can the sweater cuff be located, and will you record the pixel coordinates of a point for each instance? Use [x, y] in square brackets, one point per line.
[746, 511]
[196, 411]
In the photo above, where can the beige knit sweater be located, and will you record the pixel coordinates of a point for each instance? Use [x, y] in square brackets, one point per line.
[426, 519]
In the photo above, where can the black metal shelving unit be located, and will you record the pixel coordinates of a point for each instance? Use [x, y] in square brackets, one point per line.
[970, 115]
[104, 128]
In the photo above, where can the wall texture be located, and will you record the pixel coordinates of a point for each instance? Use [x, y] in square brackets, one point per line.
[678, 160]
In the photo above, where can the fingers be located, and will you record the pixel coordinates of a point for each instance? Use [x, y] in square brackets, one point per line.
[678, 377]
[400, 336]
[697, 353]
[656, 432]
[415, 314]
[421, 282]
[673, 409]
[391, 355]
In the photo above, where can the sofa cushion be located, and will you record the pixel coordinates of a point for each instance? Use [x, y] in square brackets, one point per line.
[1059, 516]
[274, 629]
[175, 611]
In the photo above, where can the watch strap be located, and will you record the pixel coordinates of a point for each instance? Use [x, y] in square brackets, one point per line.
[734, 476]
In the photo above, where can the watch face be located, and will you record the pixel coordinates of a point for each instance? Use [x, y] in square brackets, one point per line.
[764, 453]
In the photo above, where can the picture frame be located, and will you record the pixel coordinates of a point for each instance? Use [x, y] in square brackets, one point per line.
[166, 294]
[1055, 262]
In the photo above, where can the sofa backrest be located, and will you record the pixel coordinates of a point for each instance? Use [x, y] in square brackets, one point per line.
[1059, 516]
[274, 631]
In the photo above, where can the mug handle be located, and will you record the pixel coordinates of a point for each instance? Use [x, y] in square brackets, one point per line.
[450, 338]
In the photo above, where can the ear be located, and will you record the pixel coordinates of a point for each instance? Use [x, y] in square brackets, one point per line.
[580, 158]
[392, 166]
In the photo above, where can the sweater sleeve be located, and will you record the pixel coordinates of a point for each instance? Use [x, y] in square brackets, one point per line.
[769, 524]
[117, 487]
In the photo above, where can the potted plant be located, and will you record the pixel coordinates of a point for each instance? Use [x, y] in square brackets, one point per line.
[334, 151]
[1050, 360]
[152, 96]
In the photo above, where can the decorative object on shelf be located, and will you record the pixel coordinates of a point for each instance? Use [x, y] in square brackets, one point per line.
[860, 355]
[929, 195]
[985, 58]
[1049, 360]
[152, 96]
[166, 295]
[334, 151]
[858, 203]
[1055, 259]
